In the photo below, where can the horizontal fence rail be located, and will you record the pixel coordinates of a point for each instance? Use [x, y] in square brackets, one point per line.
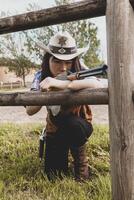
[55, 15]
[66, 97]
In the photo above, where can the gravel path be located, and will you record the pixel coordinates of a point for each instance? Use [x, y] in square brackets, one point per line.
[18, 114]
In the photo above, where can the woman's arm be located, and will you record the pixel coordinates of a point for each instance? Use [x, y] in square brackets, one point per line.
[45, 85]
[92, 82]
[50, 83]
[31, 110]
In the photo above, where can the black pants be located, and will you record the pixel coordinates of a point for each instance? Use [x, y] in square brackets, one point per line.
[73, 132]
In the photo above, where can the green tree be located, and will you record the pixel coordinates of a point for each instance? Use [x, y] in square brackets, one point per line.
[85, 34]
[20, 65]
[14, 55]
[83, 31]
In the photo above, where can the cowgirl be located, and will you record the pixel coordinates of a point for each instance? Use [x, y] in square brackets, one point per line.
[68, 127]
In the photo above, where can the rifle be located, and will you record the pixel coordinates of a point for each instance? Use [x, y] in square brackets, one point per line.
[100, 70]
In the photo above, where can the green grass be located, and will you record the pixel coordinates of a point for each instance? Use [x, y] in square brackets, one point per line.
[21, 173]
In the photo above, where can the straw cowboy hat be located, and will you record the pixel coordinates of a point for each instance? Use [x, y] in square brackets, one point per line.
[62, 46]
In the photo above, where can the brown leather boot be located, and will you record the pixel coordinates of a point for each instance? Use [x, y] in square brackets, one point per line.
[80, 163]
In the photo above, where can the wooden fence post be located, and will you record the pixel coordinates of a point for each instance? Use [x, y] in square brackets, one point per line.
[120, 38]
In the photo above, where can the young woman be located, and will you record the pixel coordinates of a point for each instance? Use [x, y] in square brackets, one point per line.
[68, 127]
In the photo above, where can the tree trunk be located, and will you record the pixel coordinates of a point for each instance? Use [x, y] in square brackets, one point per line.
[24, 79]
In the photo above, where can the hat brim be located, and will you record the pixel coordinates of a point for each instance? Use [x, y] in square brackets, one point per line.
[62, 56]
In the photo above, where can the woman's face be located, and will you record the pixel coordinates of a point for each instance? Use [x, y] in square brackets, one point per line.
[59, 66]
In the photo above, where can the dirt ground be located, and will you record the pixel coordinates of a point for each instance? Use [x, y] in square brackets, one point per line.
[17, 114]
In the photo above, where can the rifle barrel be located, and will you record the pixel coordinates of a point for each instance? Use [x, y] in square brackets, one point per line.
[100, 70]
[81, 76]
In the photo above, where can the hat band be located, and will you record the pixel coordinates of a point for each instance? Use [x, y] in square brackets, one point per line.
[63, 50]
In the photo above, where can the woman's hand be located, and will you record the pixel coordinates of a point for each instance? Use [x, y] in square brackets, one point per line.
[49, 83]
[46, 84]
[31, 110]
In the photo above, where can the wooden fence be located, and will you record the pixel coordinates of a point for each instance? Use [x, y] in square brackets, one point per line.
[120, 95]
[10, 85]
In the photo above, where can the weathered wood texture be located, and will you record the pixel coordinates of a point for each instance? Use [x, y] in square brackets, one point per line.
[120, 39]
[132, 3]
[75, 11]
[66, 97]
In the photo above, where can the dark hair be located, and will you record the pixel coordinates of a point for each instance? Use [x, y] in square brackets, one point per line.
[45, 70]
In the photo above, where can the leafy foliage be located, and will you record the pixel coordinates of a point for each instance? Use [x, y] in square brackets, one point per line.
[21, 65]
[84, 32]
[14, 55]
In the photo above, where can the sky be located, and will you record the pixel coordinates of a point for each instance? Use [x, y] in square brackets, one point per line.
[19, 7]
